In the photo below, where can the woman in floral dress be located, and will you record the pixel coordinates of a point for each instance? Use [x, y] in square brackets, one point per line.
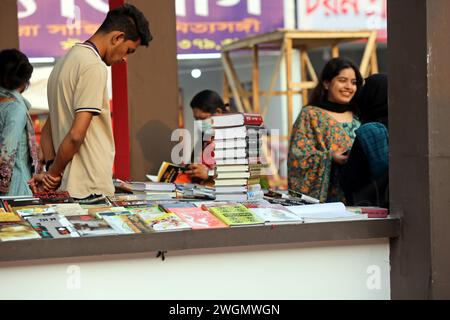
[18, 151]
[324, 132]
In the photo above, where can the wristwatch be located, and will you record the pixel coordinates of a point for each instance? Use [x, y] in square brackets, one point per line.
[211, 172]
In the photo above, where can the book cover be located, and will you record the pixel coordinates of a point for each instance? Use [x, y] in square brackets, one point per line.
[167, 207]
[122, 224]
[371, 212]
[9, 217]
[52, 226]
[88, 226]
[236, 119]
[26, 211]
[198, 218]
[172, 173]
[54, 197]
[274, 213]
[145, 209]
[163, 221]
[22, 202]
[20, 230]
[236, 215]
[69, 209]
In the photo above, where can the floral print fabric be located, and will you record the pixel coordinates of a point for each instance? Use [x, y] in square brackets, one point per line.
[18, 149]
[311, 169]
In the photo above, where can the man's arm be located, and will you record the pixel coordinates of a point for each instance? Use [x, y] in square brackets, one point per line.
[66, 151]
[47, 141]
[71, 143]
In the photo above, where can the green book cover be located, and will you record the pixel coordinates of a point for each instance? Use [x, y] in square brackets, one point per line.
[236, 215]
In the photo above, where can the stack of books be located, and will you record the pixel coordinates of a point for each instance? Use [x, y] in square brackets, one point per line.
[237, 156]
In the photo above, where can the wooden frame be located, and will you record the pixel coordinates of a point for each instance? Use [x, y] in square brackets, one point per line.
[286, 41]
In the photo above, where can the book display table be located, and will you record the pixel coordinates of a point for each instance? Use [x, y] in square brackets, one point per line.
[326, 260]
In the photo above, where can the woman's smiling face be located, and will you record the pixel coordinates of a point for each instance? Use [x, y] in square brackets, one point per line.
[343, 87]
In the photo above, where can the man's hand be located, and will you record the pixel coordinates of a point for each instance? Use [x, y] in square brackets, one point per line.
[199, 171]
[44, 182]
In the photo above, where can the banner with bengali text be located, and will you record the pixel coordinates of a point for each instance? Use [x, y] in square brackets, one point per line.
[343, 15]
[48, 28]
[204, 26]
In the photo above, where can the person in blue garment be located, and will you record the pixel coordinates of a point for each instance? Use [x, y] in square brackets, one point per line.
[18, 148]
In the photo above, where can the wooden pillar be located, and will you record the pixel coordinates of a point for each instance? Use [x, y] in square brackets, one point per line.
[255, 80]
[290, 95]
[419, 102]
[153, 91]
[9, 25]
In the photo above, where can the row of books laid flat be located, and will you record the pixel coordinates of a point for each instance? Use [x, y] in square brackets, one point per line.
[74, 220]
[237, 156]
[129, 214]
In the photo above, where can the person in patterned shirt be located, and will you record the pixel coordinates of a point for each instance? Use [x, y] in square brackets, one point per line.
[324, 132]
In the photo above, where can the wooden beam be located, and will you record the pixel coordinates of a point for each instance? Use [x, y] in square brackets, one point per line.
[303, 73]
[255, 80]
[334, 51]
[273, 80]
[231, 81]
[226, 89]
[368, 53]
[290, 98]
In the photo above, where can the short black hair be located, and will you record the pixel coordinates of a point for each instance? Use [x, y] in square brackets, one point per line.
[15, 69]
[208, 101]
[331, 70]
[129, 20]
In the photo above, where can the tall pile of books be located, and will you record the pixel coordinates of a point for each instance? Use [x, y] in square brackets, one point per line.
[237, 156]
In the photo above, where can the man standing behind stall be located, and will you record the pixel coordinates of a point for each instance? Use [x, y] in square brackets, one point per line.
[79, 125]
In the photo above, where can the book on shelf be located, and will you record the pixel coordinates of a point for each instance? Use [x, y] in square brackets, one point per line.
[22, 202]
[122, 224]
[232, 175]
[236, 182]
[26, 211]
[52, 226]
[231, 143]
[235, 215]
[167, 207]
[198, 218]
[9, 217]
[240, 197]
[236, 119]
[243, 132]
[18, 230]
[371, 212]
[145, 209]
[89, 226]
[163, 221]
[274, 213]
[239, 161]
[54, 197]
[68, 209]
[323, 212]
[234, 153]
[152, 186]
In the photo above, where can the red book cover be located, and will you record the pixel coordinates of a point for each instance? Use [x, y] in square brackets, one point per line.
[253, 119]
[374, 212]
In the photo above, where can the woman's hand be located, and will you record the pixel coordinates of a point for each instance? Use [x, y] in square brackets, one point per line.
[339, 157]
[199, 171]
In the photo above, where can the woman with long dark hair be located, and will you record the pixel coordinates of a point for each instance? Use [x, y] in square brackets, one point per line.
[324, 132]
[18, 150]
